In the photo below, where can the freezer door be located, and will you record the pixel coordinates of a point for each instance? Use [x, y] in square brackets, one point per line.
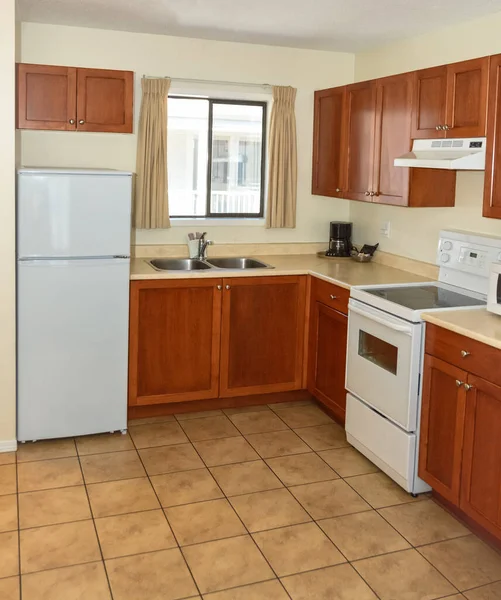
[72, 347]
[79, 215]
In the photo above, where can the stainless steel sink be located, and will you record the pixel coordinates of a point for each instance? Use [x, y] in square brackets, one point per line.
[237, 263]
[178, 264]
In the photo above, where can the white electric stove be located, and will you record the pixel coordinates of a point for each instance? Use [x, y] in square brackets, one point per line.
[386, 348]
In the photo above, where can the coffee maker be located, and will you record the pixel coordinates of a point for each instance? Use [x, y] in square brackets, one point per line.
[340, 239]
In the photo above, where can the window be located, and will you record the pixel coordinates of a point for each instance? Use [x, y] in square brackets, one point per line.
[216, 157]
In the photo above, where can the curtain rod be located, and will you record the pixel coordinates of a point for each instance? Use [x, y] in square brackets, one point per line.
[187, 79]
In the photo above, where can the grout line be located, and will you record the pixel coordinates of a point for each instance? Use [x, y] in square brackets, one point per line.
[18, 532]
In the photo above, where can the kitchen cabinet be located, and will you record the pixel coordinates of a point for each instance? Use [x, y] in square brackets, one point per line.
[262, 335]
[328, 142]
[74, 99]
[492, 185]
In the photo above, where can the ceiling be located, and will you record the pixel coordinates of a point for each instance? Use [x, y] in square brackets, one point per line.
[340, 25]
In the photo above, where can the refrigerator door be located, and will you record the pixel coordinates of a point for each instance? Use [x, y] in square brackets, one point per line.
[73, 214]
[72, 347]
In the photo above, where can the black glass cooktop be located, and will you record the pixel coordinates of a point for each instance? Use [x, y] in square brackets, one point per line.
[425, 297]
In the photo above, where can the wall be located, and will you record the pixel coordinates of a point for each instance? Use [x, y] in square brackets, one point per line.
[414, 232]
[7, 230]
[180, 57]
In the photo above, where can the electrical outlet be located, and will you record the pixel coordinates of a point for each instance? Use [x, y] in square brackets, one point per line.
[385, 229]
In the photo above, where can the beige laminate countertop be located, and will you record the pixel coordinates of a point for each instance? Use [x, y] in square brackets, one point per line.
[477, 324]
[342, 271]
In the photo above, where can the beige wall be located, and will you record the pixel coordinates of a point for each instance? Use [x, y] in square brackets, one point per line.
[7, 230]
[414, 232]
[162, 55]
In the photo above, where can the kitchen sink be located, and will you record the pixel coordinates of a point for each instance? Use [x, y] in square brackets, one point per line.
[238, 263]
[178, 264]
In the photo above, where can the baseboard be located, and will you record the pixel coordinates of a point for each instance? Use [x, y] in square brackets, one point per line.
[8, 446]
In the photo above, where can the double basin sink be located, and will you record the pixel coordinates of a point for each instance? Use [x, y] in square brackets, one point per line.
[196, 264]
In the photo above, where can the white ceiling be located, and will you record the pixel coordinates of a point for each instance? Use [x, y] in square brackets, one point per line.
[341, 25]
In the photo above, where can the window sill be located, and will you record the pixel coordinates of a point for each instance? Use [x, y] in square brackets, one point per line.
[258, 222]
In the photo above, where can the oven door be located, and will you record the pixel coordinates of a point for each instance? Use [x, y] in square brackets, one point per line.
[384, 362]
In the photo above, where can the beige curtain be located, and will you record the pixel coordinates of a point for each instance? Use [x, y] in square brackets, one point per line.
[282, 150]
[152, 206]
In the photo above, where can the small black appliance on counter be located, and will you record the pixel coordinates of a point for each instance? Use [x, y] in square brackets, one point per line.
[340, 239]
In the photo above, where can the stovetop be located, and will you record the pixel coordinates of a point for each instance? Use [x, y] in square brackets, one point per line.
[426, 297]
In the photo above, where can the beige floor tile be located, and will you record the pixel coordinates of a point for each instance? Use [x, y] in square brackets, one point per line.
[111, 466]
[170, 459]
[268, 590]
[225, 451]
[267, 510]
[48, 474]
[198, 415]
[277, 443]
[157, 434]
[161, 575]
[10, 590]
[348, 462]
[381, 491]
[487, 592]
[7, 458]
[8, 513]
[403, 574]
[9, 554]
[58, 546]
[134, 533]
[324, 437]
[119, 497]
[423, 522]
[298, 548]
[46, 450]
[304, 416]
[363, 535]
[50, 507]
[245, 478]
[104, 442]
[466, 562]
[7, 479]
[301, 468]
[226, 563]
[329, 499]
[333, 583]
[257, 422]
[148, 420]
[85, 582]
[237, 410]
[211, 428]
[276, 406]
[186, 487]
[204, 522]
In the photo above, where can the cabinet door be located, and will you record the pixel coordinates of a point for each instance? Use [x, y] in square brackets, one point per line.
[327, 357]
[46, 97]
[467, 98]
[360, 123]
[174, 340]
[429, 107]
[481, 476]
[328, 142]
[392, 139]
[104, 100]
[442, 425]
[262, 335]
[492, 185]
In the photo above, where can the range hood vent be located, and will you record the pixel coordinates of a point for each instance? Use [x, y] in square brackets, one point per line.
[466, 154]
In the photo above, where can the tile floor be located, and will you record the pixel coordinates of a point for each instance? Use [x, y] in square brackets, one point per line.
[266, 502]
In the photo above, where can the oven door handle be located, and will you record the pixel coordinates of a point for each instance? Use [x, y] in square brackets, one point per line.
[401, 328]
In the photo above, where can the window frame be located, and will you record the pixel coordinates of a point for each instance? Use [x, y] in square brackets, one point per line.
[211, 215]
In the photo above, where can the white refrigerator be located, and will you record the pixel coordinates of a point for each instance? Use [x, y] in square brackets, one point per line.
[73, 262]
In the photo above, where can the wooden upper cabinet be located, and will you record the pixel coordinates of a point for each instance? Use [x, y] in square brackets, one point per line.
[46, 97]
[492, 185]
[68, 98]
[481, 475]
[328, 142]
[442, 426]
[429, 109]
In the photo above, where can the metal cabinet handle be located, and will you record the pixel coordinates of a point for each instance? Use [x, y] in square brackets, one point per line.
[372, 194]
[465, 353]
[440, 127]
[468, 387]
[446, 127]
[333, 297]
[81, 122]
[72, 121]
[219, 287]
[228, 287]
[367, 193]
[459, 383]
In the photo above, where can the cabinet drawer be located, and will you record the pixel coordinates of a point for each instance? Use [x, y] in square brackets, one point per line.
[330, 294]
[472, 356]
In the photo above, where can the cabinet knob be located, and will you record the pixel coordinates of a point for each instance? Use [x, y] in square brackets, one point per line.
[81, 122]
[338, 189]
[447, 127]
[72, 121]
[468, 387]
[219, 287]
[333, 297]
[367, 193]
[459, 383]
[228, 287]
[372, 194]
[465, 353]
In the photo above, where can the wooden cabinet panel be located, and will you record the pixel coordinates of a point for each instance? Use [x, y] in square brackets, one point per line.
[492, 186]
[262, 343]
[481, 476]
[360, 124]
[430, 95]
[442, 425]
[104, 100]
[328, 142]
[330, 294]
[46, 97]
[174, 340]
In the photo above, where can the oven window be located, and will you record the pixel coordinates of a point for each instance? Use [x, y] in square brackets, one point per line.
[378, 351]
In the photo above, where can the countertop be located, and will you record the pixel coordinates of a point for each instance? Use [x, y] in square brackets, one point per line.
[477, 324]
[341, 271]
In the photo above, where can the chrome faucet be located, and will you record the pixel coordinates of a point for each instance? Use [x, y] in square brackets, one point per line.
[202, 246]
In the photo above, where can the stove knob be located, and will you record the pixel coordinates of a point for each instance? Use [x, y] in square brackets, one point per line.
[447, 245]
[445, 258]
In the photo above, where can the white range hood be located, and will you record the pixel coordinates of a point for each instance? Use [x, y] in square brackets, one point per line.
[467, 154]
